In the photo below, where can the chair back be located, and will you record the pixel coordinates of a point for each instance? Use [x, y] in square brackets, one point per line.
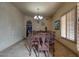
[44, 41]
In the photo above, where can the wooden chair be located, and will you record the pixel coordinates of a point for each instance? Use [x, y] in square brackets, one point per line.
[43, 45]
[34, 43]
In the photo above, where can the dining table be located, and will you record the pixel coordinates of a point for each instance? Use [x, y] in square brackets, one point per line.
[34, 38]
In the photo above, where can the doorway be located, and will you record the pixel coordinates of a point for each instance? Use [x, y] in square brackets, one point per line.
[28, 28]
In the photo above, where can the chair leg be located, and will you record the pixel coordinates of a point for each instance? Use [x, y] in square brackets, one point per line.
[30, 52]
[44, 53]
[35, 52]
[48, 53]
[38, 53]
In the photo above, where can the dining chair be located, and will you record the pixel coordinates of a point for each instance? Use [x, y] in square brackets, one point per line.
[52, 42]
[34, 43]
[43, 45]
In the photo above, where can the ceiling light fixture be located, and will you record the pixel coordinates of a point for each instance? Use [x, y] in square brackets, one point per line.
[38, 17]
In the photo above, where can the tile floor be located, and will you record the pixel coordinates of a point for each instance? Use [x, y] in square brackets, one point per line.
[19, 50]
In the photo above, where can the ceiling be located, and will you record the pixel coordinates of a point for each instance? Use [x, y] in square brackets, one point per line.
[45, 8]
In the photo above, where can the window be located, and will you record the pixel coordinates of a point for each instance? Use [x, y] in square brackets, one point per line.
[68, 25]
[63, 26]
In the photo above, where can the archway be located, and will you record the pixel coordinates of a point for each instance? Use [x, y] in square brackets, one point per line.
[28, 28]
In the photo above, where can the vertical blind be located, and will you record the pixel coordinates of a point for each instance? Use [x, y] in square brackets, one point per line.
[68, 25]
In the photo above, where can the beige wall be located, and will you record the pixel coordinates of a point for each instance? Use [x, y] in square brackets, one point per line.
[11, 25]
[49, 24]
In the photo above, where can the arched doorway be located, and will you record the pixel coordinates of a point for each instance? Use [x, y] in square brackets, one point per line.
[28, 28]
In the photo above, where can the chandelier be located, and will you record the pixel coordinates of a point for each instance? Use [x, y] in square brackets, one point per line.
[38, 17]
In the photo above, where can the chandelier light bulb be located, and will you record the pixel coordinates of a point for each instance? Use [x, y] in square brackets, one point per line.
[35, 17]
[41, 17]
[38, 17]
